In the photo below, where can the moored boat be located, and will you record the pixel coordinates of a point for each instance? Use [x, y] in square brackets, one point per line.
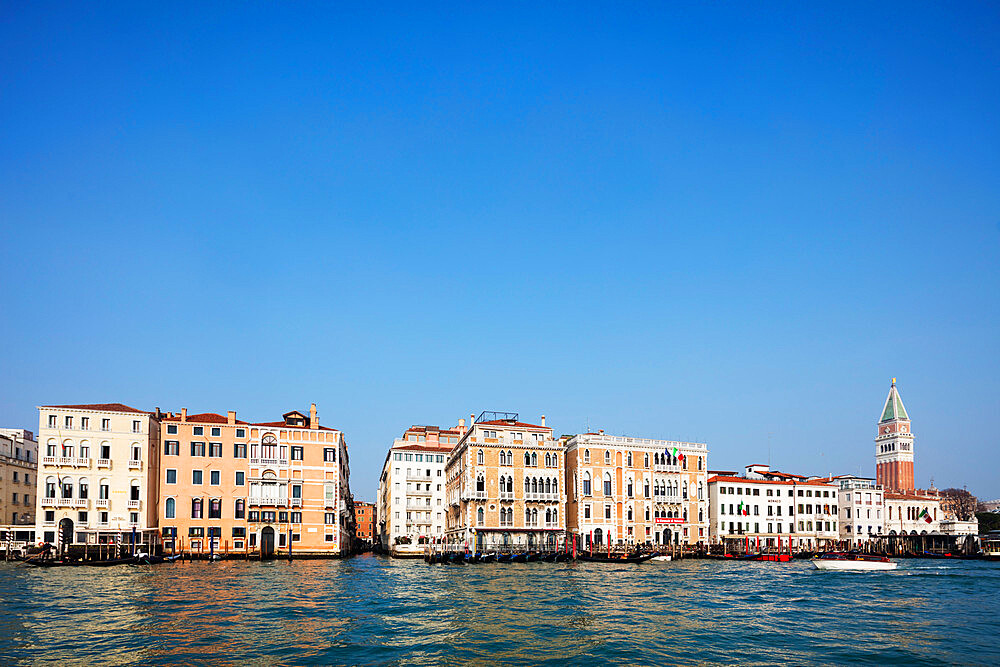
[852, 562]
[661, 558]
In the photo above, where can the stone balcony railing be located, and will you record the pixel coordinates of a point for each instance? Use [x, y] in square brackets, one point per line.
[134, 463]
[103, 463]
[134, 504]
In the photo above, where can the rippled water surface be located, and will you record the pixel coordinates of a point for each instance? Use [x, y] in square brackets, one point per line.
[374, 610]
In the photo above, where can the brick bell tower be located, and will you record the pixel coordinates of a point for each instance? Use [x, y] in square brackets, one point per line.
[894, 446]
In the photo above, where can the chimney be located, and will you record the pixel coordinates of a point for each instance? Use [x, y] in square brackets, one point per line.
[184, 414]
[461, 426]
[600, 431]
[472, 420]
[313, 423]
[543, 420]
[231, 417]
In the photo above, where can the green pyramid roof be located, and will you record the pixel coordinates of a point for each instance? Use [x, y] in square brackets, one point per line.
[893, 405]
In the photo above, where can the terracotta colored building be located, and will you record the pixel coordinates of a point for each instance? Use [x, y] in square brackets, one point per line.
[365, 521]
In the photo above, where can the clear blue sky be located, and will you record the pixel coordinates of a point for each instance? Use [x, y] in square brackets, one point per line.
[715, 222]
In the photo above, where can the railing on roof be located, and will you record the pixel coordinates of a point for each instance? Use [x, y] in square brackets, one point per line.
[492, 415]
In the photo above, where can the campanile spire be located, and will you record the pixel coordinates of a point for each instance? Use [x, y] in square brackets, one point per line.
[894, 445]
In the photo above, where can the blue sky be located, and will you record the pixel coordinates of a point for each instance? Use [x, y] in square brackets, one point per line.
[705, 221]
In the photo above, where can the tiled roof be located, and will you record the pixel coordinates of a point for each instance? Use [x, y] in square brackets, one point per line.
[205, 418]
[284, 425]
[100, 407]
[909, 496]
[435, 429]
[501, 422]
[744, 480]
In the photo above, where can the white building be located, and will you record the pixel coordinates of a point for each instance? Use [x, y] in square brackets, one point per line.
[97, 473]
[772, 509]
[862, 509]
[912, 514]
[411, 491]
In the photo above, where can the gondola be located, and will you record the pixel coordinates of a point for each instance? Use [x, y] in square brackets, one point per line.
[471, 558]
[35, 562]
[614, 558]
[456, 557]
[532, 557]
[487, 558]
[130, 560]
[504, 558]
[519, 558]
[550, 557]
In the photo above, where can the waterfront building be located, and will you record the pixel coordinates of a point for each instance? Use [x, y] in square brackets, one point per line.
[411, 490]
[18, 471]
[364, 518]
[505, 485]
[894, 446]
[625, 490]
[204, 483]
[863, 510]
[98, 474]
[772, 509]
[299, 487]
[915, 513]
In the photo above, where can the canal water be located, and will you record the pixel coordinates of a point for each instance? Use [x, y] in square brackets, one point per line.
[372, 610]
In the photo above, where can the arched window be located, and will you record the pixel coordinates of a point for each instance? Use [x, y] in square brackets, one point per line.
[629, 459]
[170, 509]
[527, 517]
[629, 487]
[607, 484]
[84, 488]
[104, 489]
[645, 460]
[645, 487]
[534, 517]
[699, 463]
[510, 460]
[50, 487]
[527, 485]
[239, 510]
[701, 490]
[701, 515]
[586, 482]
[534, 485]
[196, 508]
[548, 486]
[480, 483]
[67, 487]
[480, 517]
[503, 458]
[629, 513]
[555, 486]
[548, 461]
[534, 459]
[527, 459]
[607, 456]
[586, 456]
[480, 457]
[548, 516]
[555, 515]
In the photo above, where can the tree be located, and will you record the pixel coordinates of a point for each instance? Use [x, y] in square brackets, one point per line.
[959, 503]
[988, 521]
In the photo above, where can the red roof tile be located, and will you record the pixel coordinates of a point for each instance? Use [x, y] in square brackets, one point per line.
[100, 407]
[205, 418]
[284, 425]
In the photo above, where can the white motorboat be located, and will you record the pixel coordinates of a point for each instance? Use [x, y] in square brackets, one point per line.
[661, 559]
[853, 564]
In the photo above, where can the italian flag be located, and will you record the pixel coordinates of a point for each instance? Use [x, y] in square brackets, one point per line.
[925, 516]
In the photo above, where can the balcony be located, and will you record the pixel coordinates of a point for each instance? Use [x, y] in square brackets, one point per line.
[418, 477]
[134, 464]
[50, 502]
[65, 461]
[82, 462]
[134, 504]
[296, 502]
[506, 495]
[268, 462]
[101, 503]
[103, 463]
[80, 502]
[49, 461]
[275, 502]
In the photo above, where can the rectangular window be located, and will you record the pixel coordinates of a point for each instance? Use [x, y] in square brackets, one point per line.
[241, 433]
[105, 424]
[199, 430]
[216, 431]
[85, 423]
[296, 453]
[240, 450]
[296, 517]
[171, 448]
[172, 429]
[215, 478]
[240, 478]
[329, 518]
[254, 516]
[68, 422]
[329, 454]
[196, 476]
[171, 476]
[197, 449]
[239, 531]
[267, 516]
[282, 517]
[135, 426]
[215, 508]
[52, 421]
[215, 449]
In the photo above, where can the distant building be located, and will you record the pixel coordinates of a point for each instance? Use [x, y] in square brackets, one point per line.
[506, 485]
[863, 511]
[915, 513]
[365, 521]
[627, 490]
[18, 471]
[411, 490]
[772, 509]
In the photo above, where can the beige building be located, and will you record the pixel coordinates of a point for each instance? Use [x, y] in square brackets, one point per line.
[98, 474]
[506, 485]
[627, 491]
[18, 469]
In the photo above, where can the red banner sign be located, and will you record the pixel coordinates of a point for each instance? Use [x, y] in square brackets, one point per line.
[665, 520]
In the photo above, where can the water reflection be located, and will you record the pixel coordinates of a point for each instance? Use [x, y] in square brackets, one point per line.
[373, 610]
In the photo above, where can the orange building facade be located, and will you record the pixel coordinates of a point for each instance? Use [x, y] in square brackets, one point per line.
[365, 521]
